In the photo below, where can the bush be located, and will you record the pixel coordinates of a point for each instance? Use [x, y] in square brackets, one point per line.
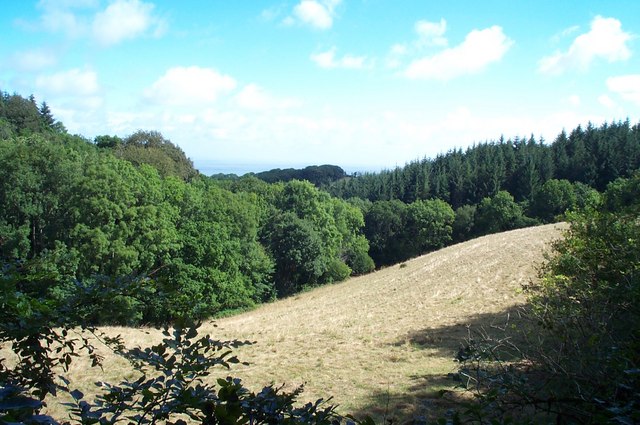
[581, 359]
[170, 386]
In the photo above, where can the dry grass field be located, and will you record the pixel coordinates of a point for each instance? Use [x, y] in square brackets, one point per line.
[379, 343]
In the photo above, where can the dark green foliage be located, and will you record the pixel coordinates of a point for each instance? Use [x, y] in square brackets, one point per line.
[595, 157]
[170, 384]
[21, 116]
[428, 226]
[150, 147]
[298, 252]
[313, 238]
[397, 231]
[579, 348]
[110, 142]
[90, 215]
[500, 213]
[553, 199]
[384, 225]
[319, 175]
[464, 223]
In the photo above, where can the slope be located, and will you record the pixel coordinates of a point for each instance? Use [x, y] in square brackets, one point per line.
[380, 342]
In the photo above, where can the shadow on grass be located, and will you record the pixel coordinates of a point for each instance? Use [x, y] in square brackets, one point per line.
[428, 397]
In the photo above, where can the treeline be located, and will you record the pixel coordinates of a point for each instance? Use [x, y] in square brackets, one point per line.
[133, 215]
[21, 116]
[112, 210]
[591, 156]
[572, 355]
[319, 175]
[491, 187]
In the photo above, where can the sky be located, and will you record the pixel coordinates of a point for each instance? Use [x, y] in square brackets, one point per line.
[364, 84]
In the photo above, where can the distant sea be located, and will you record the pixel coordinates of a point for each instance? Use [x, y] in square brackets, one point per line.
[210, 167]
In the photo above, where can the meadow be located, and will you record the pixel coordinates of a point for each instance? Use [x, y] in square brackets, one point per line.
[381, 344]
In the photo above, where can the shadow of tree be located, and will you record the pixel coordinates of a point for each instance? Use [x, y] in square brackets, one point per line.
[428, 397]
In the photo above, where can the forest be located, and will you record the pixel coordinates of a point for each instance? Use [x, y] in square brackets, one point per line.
[132, 213]
[124, 230]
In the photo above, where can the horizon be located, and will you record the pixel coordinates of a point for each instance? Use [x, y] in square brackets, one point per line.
[362, 84]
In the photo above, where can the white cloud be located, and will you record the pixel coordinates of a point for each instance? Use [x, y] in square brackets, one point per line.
[254, 97]
[190, 86]
[431, 33]
[605, 40]
[574, 100]
[33, 60]
[123, 19]
[271, 13]
[399, 49]
[59, 16]
[315, 13]
[606, 101]
[564, 33]
[75, 98]
[120, 20]
[71, 83]
[627, 86]
[479, 49]
[328, 60]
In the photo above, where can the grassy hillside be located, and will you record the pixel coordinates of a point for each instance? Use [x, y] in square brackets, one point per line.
[380, 342]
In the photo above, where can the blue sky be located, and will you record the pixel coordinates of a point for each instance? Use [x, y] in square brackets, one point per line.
[364, 84]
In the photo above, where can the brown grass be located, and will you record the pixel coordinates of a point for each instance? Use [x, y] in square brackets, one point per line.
[380, 343]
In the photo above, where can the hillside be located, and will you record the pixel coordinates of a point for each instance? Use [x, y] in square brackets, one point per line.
[384, 339]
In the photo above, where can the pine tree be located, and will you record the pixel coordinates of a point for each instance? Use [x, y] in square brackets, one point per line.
[46, 115]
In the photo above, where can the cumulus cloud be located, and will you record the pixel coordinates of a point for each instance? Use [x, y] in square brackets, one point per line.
[33, 60]
[254, 97]
[479, 49]
[328, 60]
[318, 14]
[627, 86]
[190, 86]
[62, 16]
[574, 100]
[124, 19]
[431, 33]
[119, 21]
[74, 82]
[605, 40]
[606, 101]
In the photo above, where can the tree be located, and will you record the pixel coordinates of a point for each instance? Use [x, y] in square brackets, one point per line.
[150, 147]
[46, 115]
[553, 199]
[354, 250]
[300, 258]
[428, 226]
[499, 214]
[464, 223]
[384, 223]
[44, 339]
[574, 358]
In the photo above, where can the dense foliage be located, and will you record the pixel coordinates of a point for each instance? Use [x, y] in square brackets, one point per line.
[99, 213]
[150, 147]
[126, 231]
[119, 207]
[577, 359]
[319, 175]
[592, 156]
[168, 384]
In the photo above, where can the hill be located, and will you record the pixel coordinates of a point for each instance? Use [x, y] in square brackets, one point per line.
[384, 341]
[317, 174]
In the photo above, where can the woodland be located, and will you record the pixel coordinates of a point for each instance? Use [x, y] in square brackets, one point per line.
[125, 231]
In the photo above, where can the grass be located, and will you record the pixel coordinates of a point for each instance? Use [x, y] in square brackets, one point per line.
[381, 344]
